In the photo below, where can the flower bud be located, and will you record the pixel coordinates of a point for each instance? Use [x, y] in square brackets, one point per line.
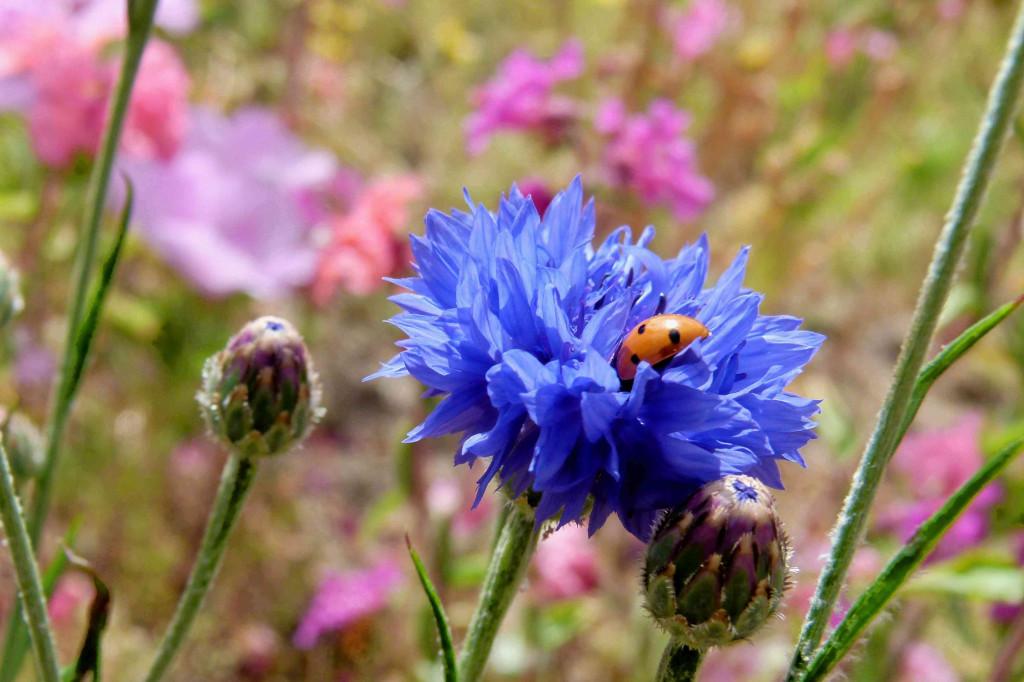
[23, 444]
[261, 395]
[11, 302]
[716, 567]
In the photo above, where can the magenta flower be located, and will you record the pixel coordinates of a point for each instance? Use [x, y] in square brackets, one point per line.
[566, 564]
[521, 97]
[226, 210]
[649, 154]
[933, 465]
[538, 191]
[697, 30]
[345, 598]
[368, 242]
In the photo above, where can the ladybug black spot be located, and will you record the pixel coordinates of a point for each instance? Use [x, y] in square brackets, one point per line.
[673, 336]
[641, 329]
[635, 359]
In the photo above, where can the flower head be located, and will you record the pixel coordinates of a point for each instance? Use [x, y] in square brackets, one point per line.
[649, 154]
[261, 395]
[521, 96]
[344, 598]
[515, 319]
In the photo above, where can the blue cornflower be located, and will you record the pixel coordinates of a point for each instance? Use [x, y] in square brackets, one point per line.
[515, 319]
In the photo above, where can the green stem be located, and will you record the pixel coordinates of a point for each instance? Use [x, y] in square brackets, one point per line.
[511, 554]
[899, 568]
[140, 21]
[948, 250]
[235, 482]
[679, 663]
[30, 586]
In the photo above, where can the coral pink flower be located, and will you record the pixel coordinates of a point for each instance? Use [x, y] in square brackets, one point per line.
[521, 97]
[699, 28]
[649, 154]
[933, 465]
[158, 113]
[345, 598]
[367, 243]
[566, 564]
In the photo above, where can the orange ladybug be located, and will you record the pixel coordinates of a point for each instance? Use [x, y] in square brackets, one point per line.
[655, 339]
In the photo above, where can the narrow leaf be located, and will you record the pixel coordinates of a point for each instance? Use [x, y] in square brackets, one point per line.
[94, 308]
[444, 630]
[899, 568]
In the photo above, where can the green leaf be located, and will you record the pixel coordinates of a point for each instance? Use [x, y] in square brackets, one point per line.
[987, 583]
[94, 308]
[899, 568]
[444, 630]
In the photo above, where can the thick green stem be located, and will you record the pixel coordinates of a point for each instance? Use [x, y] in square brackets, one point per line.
[948, 250]
[30, 586]
[679, 663]
[509, 559]
[235, 482]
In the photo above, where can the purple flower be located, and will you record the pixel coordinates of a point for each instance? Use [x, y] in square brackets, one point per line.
[696, 31]
[649, 154]
[934, 464]
[520, 97]
[344, 598]
[227, 211]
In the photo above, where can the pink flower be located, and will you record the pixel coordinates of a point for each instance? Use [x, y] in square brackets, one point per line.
[520, 97]
[649, 154]
[933, 465]
[446, 500]
[809, 559]
[696, 31]
[840, 47]
[924, 662]
[951, 10]
[68, 108]
[566, 564]
[158, 113]
[367, 243]
[879, 45]
[226, 210]
[53, 70]
[537, 190]
[345, 598]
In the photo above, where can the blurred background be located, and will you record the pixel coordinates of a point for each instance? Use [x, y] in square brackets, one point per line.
[281, 153]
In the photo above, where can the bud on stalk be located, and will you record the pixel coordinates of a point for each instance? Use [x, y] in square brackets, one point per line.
[716, 567]
[261, 394]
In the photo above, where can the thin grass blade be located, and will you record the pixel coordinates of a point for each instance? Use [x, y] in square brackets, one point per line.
[444, 630]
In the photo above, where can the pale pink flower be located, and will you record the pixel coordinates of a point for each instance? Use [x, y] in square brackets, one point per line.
[879, 45]
[934, 464]
[844, 43]
[158, 113]
[951, 10]
[808, 560]
[345, 598]
[368, 242]
[521, 97]
[447, 500]
[697, 30]
[650, 154]
[565, 564]
[924, 663]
